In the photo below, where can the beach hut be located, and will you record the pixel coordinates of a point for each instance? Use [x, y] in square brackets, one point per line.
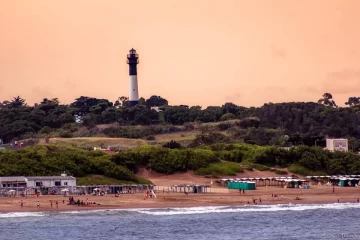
[249, 185]
[343, 182]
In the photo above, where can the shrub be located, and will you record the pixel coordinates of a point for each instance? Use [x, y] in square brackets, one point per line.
[151, 137]
[260, 167]
[65, 134]
[278, 171]
[298, 169]
[221, 168]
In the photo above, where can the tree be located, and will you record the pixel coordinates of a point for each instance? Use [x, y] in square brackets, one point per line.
[142, 101]
[17, 102]
[124, 101]
[327, 100]
[172, 145]
[353, 101]
[156, 101]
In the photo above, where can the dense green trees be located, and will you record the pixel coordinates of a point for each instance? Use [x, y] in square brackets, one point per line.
[281, 124]
[46, 160]
[53, 160]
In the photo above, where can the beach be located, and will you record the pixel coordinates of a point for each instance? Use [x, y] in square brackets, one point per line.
[315, 195]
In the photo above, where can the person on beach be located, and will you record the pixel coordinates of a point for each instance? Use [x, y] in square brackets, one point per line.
[357, 200]
[22, 204]
[244, 191]
[51, 203]
[37, 204]
[57, 204]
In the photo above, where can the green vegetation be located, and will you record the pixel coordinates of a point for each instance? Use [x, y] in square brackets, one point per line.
[99, 180]
[216, 159]
[93, 179]
[277, 171]
[259, 167]
[52, 160]
[282, 124]
[215, 135]
[296, 168]
[220, 169]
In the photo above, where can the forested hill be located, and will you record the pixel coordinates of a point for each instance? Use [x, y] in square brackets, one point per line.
[302, 123]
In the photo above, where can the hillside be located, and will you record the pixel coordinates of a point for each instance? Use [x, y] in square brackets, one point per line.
[280, 124]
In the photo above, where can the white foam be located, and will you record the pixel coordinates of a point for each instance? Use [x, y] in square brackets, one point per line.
[22, 214]
[256, 208]
[195, 210]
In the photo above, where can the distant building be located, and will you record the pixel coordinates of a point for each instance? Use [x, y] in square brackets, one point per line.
[340, 144]
[38, 181]
[158, 109]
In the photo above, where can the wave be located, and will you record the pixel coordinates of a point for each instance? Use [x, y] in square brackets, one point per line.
[23, 214]
[190, 210]
[252, 208]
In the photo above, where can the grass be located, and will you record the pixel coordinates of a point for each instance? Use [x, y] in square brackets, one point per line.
[298, 169]
[103, 180]
[220, 169]
[278, 171]
[90, 142]
[184, 138]
[259, 167]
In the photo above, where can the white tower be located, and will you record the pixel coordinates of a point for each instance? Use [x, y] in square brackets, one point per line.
[133, 60]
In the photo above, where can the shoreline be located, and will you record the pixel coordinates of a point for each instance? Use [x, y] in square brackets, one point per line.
[320, 195]
[147, 207]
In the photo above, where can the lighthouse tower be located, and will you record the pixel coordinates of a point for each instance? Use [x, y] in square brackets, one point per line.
[133, 60]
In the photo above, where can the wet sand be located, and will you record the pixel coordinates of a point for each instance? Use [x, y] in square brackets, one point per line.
[316, 195]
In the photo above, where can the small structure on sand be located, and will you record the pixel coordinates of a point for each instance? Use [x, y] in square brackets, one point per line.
[186, 188]
[241, 185]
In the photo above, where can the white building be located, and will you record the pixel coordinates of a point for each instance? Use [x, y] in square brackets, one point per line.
[158, 109]
[38, 181]
[340, 144]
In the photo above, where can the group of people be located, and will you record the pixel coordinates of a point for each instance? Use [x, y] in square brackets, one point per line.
[71, 201]
[150, 194]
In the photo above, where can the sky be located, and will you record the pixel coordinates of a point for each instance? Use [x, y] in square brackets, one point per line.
[203, 52]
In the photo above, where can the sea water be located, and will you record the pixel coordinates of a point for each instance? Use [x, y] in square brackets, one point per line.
[284, 221]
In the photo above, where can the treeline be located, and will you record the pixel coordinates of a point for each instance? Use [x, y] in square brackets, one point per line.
[301, 160]
[275, 124]
[171, 158]
[47, 160]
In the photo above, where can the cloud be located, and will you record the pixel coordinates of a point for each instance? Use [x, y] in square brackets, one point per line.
[345, 81]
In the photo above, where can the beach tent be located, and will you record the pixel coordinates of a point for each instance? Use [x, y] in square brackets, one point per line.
[343, 182]
[249, 186]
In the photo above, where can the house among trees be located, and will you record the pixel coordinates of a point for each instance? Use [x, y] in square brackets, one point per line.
[340, 144]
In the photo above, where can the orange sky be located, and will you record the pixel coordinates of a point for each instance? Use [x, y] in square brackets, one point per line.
[203, 52]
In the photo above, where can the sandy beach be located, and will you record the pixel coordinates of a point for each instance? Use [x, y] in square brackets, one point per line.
[316, 195]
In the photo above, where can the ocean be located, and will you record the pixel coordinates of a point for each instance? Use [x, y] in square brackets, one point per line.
[286, 221]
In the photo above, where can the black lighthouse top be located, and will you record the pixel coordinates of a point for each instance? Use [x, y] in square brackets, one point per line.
[133, 60]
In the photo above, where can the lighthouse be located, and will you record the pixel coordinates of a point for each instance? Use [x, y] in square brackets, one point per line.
[133, 60]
